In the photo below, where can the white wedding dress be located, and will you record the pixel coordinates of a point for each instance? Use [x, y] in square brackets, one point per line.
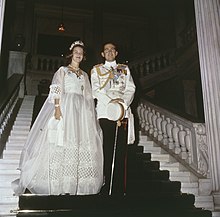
[64, 157]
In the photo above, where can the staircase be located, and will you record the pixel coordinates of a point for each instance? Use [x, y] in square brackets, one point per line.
[149, 193]
[152, 189]
[178, 172]
[11, 155]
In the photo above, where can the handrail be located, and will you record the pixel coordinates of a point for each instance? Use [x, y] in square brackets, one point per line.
[8, 100]
[9, 88]
[182, 138]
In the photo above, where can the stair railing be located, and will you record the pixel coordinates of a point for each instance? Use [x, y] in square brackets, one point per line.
[9, 99]
[182, 138]
[152, 63]
[45, 63]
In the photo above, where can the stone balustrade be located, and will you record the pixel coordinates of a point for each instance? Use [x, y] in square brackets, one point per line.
[7, 111]
[45, 63]
[152, 63]
[184, 139]
[41, 68]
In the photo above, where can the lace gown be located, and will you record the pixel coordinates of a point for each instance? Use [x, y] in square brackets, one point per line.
[64, 156]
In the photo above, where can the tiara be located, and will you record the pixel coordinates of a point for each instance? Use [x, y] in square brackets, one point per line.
[76, 43]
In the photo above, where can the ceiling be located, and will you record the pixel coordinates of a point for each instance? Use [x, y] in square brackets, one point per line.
[140, 8]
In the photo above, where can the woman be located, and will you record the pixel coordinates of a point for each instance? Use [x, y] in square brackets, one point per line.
[63, 152]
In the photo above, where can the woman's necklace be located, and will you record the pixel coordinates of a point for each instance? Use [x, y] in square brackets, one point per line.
[75, 70]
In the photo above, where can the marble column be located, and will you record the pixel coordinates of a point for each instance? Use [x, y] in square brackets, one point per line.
[17, 65]
[208, 34]
[2, 12]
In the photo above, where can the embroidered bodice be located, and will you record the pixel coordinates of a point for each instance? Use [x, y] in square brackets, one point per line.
[73, 84]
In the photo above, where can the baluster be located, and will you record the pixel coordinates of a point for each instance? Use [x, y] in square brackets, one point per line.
[187, 147]
[39, 62]
[137, 71]
[149, 115]
[50, 66]
[164, 130]
[142, 116]
[169, 133]
[158, 63]
[147, 66]
[168, 59]
[147, 125]
[153, 65]
[162, 61]
[182, 135]
[175, 132]
[138, 112]
[159, 128]
[44, 64]
[141, 70]
[154, 122]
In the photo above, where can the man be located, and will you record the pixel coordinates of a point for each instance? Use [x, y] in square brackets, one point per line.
[113, 87]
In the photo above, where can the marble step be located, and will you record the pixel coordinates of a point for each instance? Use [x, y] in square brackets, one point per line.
[153, 150]
[162, 157]
[16, 133]
[15, 142]
[21, 122]
[146, 142]
[11, 154]
[25, 117]
[13, 146]
[8, 178]
[6, 183]
[216, 213]
[22, 118]
[20, 139]
[20, 128]
[172, 166]
[9, 172]
[10, 199]
[6, 191]
[190, 188]
[205, 202]
[24, 113]
[9, 164]
[19, 133]
[183, 176]
[7, 210]
[18, 136]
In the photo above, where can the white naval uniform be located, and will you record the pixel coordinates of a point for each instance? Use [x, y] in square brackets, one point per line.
[105, 88]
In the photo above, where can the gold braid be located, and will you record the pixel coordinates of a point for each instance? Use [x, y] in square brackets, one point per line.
[107, 73]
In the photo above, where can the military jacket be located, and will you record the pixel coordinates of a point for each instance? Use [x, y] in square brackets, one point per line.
[111, 81]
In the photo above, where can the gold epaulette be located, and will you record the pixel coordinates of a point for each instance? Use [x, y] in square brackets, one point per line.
[122, 65]
[123, 68]
[95, 66]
